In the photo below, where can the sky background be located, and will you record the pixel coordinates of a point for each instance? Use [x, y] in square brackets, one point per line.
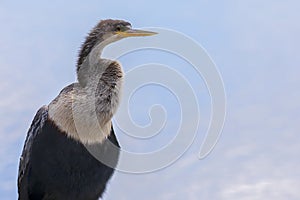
[255, 45]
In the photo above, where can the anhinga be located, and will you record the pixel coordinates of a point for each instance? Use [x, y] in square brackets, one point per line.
[55, 163]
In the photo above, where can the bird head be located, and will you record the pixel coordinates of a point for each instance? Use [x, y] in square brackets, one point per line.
[106, 32]
[114, 30]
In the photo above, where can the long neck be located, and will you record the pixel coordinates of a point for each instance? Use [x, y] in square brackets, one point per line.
[104, 87]
[85, 111]
[86, 68]
[90, 57]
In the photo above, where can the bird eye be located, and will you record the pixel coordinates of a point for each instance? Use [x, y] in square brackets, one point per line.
[118, 28]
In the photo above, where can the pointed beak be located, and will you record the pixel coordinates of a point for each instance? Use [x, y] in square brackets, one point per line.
[135, 33]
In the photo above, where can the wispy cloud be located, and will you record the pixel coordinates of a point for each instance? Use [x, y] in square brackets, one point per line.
[255, 44]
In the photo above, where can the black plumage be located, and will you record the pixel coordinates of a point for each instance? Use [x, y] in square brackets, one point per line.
[79, 176]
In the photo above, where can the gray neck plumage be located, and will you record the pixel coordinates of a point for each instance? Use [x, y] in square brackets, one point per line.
[91, 66]
[84, 112]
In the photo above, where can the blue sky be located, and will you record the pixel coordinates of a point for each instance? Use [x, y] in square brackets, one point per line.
[255, 45]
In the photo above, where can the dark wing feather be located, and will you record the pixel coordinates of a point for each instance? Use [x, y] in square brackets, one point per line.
[34, 130]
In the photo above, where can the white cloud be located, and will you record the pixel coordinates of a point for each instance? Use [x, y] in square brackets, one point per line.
[265, 189]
